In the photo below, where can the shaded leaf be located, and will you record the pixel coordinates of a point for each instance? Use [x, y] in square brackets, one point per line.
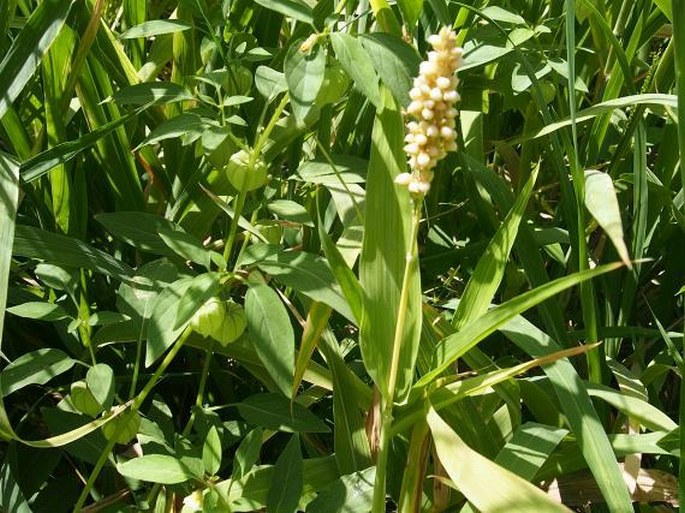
[34, 368]
[284, 494]
[304, 73]
[274, 411]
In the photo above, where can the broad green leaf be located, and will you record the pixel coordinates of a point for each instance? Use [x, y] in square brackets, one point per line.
[486, 485]
[269, 82]
[24, 56]
[456, 345]
[357, 64]
[162, 332]
[155, 28]
[576, 405]
[499, 14]
[304, 272]
[156, 468]
[104, 318]
[295, 9]
[152, 92]
[337, 170]
[34, 368]
[34, 243]
[487, 277]
[601, 201]
[56, 277]
[284, 494]
[383, 258]
[137, 297]
[529, 448]
[396, 62]
[352, 493]
[249, 493]
[247, 453]
[100, 379]
[272, 334]
[211, 452]
[291, 211]
[201, 288]
[187, 126]
[189, 248]
[274, 411]
[649, 416]
[139, 229]
[39, 310]
[304, 73]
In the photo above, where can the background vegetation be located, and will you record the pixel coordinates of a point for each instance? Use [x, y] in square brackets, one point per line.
[202, 254]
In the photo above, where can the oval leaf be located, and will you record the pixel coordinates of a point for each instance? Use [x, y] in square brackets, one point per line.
[156, 468]
[272, 334]
[284, 493]
[34, 368]
[274, 411]
[304, 73]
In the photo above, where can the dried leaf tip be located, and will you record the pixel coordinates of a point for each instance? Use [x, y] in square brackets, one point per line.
[431, 135]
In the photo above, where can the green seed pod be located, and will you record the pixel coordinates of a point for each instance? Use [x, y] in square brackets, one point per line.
[234, 323]
[243, 177]
[83, 400]
[209, 318]
[129, 422]
[335, 85]
[224, 321]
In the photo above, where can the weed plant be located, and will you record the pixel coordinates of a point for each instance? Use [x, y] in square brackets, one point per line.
[234, 278]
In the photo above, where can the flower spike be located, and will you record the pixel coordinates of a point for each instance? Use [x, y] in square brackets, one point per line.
[431, 135]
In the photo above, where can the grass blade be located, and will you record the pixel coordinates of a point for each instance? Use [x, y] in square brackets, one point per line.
[485, 484]
[578, 408]
[488, 275]
[382, 262]
[454, 346]
[28, 48]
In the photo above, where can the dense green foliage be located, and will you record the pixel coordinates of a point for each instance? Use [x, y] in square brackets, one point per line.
[217, 299]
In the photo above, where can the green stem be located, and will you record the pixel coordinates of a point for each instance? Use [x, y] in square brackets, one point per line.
[99, 465]
[140, 398]
[387, 399]
[239, 202]
[238, 205]
[137, 402]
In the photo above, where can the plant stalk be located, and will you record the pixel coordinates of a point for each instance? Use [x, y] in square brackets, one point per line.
[388, 398]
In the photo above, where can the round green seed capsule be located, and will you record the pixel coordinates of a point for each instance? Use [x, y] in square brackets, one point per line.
[129, 421]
